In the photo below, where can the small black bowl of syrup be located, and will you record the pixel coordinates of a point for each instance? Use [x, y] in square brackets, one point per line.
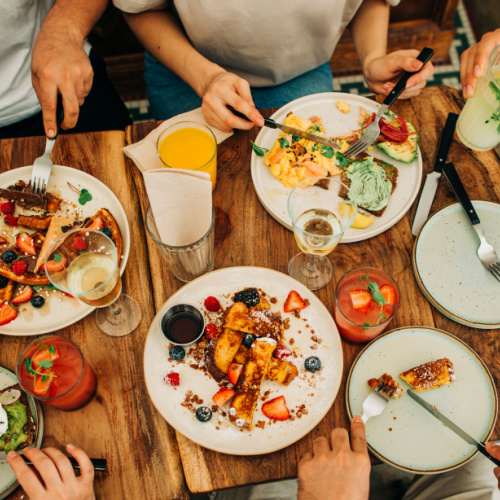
[182, 324]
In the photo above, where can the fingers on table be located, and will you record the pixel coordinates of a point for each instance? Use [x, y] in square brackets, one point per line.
[86, 468]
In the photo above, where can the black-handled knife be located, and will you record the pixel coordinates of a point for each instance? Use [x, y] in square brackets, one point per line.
[98, 463]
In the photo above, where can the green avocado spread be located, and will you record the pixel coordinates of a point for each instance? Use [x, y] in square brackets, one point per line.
[369, 185]
[18, 417]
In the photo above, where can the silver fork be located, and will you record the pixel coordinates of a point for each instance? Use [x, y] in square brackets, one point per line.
[377, 400]
[373, 130]
[485, 252]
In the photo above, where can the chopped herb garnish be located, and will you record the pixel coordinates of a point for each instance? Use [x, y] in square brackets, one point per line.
[341, 159]
[295, 138]
[327, 151]
[44, 364]
[58, 257]
[37, 288]
[372, 287]
[284, 142]
[84, 195]
[314, 128]
[259, 151]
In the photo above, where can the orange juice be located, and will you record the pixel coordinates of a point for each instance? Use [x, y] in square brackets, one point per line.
[189, 148]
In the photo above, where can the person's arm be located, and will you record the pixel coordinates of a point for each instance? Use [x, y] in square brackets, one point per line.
[337, 468]
[164, 39]
[59, 63]
[369, 30]
[474, 61]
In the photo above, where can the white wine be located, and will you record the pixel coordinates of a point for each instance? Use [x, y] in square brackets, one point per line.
[94, 278]
[318, 231]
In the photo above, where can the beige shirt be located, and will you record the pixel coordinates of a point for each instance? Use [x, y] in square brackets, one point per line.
[267, 42]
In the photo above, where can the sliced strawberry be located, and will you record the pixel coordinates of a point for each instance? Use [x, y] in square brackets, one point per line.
[10, 220]
[282, 351]
[8, 313]
[223, 395]
[294, 302]
[53, 266]
[389, 294]
[2, 241]
[212, 304]
[360, 298]
[7, 208]
[43, 381]
[25, 243]
[19, 267]
[172, 379]
[276, 409]
[234, 372]
[79, 244]
[211, 331]
[97, 224]
[45, 355]
[23, 296]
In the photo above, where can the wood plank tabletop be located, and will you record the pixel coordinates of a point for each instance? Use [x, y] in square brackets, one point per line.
[244, 230]
[120, 423]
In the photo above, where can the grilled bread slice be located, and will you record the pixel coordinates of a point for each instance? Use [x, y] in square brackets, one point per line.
[109, 222]
[220, 352]
[430, 375]
[387, 381]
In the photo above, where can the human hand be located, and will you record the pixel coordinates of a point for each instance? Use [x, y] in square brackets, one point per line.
[60, 67]
[339, 468]
[58, 478]
[382, 73]
[228, 88]
[474, 61]
[494, 450]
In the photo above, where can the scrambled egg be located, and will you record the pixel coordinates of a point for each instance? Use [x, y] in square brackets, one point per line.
[343, 106]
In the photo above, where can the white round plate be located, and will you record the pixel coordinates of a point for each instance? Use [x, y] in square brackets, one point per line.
[273, 195]
[405, 435]
[60, 311]
[316, 391]
[448, 270]
[8, 481]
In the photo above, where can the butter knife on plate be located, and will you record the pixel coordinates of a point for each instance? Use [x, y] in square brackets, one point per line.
[98, 463]
[269, 122]
[431, 181]
[457, 430]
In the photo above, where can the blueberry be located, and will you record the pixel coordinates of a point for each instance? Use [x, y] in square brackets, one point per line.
[9, 256]
[248, 340]
[106, 231]
[3, 282]
[177, 353]
[37, 301]
[312, 364]
[249, 296]
[203, 414]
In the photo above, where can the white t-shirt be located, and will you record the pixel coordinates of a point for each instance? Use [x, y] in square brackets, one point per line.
[267, 42]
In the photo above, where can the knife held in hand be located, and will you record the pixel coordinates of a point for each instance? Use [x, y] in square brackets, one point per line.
[98, 463]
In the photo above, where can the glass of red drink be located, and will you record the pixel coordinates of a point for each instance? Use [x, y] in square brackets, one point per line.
[366, 300]
[53, 370]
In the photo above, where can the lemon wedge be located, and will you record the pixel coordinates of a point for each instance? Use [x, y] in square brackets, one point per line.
[362, 220]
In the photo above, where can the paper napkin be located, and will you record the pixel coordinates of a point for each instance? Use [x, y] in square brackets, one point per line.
[181, 201]
[143, 153]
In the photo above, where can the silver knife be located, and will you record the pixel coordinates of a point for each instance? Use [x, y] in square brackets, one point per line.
[98, 463]
[432, 180]
[446, 421]
[269, 122]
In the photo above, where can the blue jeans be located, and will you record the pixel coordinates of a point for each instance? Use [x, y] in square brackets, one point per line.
[169, 95]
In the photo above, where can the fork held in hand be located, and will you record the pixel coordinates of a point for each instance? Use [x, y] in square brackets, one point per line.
[373, 130]
[377, 400]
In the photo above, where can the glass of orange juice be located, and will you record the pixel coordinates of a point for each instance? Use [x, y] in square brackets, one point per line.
[190, 146]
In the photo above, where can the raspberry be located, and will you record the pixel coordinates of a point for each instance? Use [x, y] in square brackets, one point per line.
[79, 244]
[282, 352]
[7, 208]
[19, 267]
[212, 304]
[211, 331]
[172, 379]
[10, 220]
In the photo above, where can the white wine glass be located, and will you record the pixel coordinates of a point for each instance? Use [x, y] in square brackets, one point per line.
[320, 217]
[84, 263]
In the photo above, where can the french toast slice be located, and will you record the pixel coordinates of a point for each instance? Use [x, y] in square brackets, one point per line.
[220, 352]
[237, 318]
[430, 375]
[244, 402]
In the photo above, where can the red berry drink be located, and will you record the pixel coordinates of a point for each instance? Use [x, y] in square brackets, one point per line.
[366, 299]
[53, 369]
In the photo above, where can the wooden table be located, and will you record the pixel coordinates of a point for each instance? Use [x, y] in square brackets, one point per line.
[146, 457]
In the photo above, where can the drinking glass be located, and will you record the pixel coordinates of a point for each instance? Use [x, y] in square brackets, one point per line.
[84, 263]
[191, 146]
[478, 125]
[320, 216]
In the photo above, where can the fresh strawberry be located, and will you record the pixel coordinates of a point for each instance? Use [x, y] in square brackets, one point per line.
[223, 395]
[212, 304]
[25, 243]
[53, 266]
[234, 372]
[360, 298]
[45, 355]
[23, 296]
[389, 294]
[7, 208]
[294, 302]
[97, 224]
[44, 379]
[19, 267]
[276, 409]
[10, 220]
[211, 331]
[8, 313]
[2, 241]
[79, 244]
[172, 379]
[282, 351]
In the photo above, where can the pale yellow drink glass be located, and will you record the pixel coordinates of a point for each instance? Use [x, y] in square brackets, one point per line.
[478, 125]
[190, 146]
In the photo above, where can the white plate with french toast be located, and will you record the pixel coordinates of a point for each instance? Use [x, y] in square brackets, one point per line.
[180, 388]
[66, 185]
[274, 195]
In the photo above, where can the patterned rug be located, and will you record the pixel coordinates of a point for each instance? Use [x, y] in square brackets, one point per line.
[444, 74]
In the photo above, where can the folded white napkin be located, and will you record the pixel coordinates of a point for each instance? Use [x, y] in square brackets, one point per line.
[143, 153]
